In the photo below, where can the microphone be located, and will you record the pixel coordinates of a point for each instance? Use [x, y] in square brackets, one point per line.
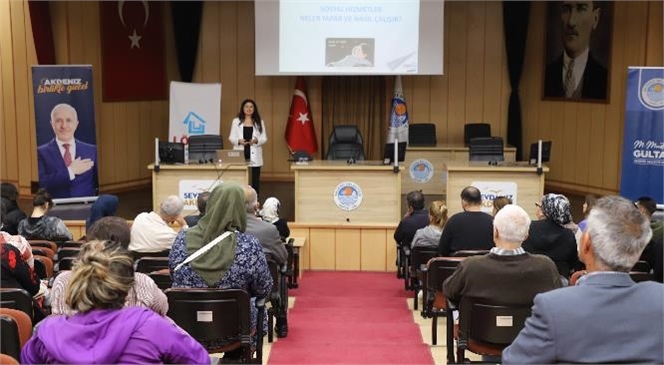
[350, 161]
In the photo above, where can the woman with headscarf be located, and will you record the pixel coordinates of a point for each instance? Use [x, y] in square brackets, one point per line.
[236, 262]
[549, 235]
[105, 206]
[270, 214]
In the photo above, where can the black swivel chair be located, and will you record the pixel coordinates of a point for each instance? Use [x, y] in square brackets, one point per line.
[422, 135]
[345, 143]
[475, 130]
[486, 149]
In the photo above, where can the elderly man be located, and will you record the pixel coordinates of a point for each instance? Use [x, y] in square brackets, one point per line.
[151, 232]
[67, 166]
[470, 229]
[507, 275]
[606, 318]
[267, 233]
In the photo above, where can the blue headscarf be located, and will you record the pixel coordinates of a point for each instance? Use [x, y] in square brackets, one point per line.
[105, 206]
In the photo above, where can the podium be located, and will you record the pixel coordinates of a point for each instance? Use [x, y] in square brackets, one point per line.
[183, 180]
[519, 181]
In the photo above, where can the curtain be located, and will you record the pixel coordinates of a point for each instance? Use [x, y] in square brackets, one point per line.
[515, 25]
[186, 28]
[356, 100]
[42, 32]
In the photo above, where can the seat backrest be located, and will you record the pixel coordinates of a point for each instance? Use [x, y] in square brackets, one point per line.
[439, 269]
[345, 142]
[641, 276]
[137, 255]
[66, 252]
[22, 320]
[8, 360]
[18, 299]
[641, 266]
[150, 264]
[43, 251]
[210, 314]
[162, 278]
[43, 243]
[422, 134]
[47, 264]
[474, 130]
[467, 253]
[72, 244]
[486, 149]
[10, 341]
[420, 255]
[496, 324]
[66, 263]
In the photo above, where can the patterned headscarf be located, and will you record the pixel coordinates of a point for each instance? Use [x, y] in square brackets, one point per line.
[270, 211]
[557, 208]
[225, 212]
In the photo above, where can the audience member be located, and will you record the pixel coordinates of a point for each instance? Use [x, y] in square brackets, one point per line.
[105, 206]
[588, 204]
[429, 236]
[201, 203]
[151, 232]
[267, 234]
[40, 226]
[471, 229]
[14, 214]
[499, 203]
[574, 324]
[236, 262]
[16, 272]
[652, 254]
[17, 241]
[270, 214]
[507, 275]
[102, 331]
[548, 236]
[114, 231]
[415, 218]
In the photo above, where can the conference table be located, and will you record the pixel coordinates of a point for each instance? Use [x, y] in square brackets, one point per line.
[187, 180]
[424, 166]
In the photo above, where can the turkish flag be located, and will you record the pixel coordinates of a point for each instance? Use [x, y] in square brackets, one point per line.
[132, 44]
[300, 133]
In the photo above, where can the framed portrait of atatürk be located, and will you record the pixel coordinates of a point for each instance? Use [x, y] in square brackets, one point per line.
[578, 51]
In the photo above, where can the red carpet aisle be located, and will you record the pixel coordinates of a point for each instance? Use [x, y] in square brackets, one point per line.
[350, 318]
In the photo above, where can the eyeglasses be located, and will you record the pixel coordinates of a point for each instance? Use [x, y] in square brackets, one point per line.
[539, 205]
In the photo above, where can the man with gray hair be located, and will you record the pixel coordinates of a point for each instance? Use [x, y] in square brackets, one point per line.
[507, 275]
[576, 324]
[151, 232]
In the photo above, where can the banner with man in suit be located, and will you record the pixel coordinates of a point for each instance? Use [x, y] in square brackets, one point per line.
[65, 121]
[643, 145]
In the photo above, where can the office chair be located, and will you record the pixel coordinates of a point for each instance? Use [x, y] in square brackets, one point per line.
[486, 149]
[422, 135]
[345, 142]
[475, 130]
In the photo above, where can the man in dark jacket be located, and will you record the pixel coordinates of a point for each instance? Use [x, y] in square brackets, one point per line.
[416, 217]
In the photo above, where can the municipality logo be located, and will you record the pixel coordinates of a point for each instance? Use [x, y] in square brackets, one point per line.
[348, 196]
[195, 124]
[652, 94]
[421, 171]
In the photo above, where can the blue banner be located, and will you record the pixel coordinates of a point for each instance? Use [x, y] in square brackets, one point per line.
[643, 145]
[65, 126]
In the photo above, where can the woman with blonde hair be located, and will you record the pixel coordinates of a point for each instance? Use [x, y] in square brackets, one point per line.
[429, 236]
[499, 203]
[102, 331]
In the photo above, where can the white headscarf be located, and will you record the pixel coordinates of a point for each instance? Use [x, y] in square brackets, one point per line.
[270, 211]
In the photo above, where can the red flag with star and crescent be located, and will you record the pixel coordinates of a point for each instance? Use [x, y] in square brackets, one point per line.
[132, 43]
[300, 133]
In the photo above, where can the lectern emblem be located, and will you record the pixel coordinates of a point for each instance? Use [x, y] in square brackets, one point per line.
[421, 170]
[348, 196]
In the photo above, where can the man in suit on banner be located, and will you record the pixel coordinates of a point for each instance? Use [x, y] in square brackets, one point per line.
[67, 166]
[606, 318]
[576, 74]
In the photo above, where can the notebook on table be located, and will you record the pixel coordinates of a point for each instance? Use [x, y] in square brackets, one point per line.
[231, 157]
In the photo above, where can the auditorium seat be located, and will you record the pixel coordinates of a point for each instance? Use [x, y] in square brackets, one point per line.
[345, 142]
[435, 303]
[475, 130]
[422, 135]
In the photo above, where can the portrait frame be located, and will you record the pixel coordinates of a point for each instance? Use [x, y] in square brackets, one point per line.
[595, 84]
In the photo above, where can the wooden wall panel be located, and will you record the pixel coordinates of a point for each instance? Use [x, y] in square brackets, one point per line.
[586, 136]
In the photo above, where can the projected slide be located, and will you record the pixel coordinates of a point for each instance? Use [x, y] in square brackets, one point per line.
[349, 36]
